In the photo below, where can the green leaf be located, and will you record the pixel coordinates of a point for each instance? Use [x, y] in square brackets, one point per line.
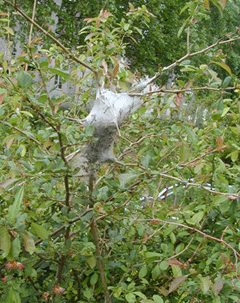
[219, 107]
[163, 265]
[168, 103]
[66, 76]
[8, 182]
[13, 296]
[184, 151]
[181, 29]
[43, 98]
[143, 271]
[140, 294]
[205, 284]
[224, 66]
[94, 279]
[156, 272]
[87, 293]
[177, 272]
[233, 155]
[15, 207]
[89, 130]
[5, 241]
[153, 255]
[92, 262]
[226, 81]
[176, 283]
[25, 80]
[9, 30]
[196, 218]
[40, 231]
[15, 249]
[29, 244]
[130, 297]
[124, 179]
[145, 161]
[157, 299]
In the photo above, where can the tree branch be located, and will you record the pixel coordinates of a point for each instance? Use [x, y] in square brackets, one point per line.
[219, 42]
[93, 226]
[183, 90]
[157, 221]
[28, 136]
[99, 260]
[228, 195]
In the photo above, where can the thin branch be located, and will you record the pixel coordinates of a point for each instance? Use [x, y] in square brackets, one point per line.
[63, 227]
[99, 260]
[235, 196]
[182, 251]
[67, 203]
[156, 221]
[28, 136]
[216, 150]
[218, 43]
[94, 231]
[196, 250]
[183, 90]
[44, 86]
[188, 55]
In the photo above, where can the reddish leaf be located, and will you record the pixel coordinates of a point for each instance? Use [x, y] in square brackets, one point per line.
[223, 2]
[175, 262]
[217, 287]
[104, 64]
[178, 99]
[2, 97]
[29, 244]
[224, 259]
[206, 3]
[58, 290]
[193, 164]
[176, 283]
[115, 70]
[219, 142]
[232, 197]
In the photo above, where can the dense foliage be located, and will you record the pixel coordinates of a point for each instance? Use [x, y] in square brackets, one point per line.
[160, 44]
[164, 217]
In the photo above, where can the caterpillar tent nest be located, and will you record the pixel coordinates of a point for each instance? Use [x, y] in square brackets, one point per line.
[108, 113]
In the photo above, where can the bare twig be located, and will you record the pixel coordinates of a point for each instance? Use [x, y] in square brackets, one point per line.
[196, 250]
[31, 28]
[188, 90]
[182, 251]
